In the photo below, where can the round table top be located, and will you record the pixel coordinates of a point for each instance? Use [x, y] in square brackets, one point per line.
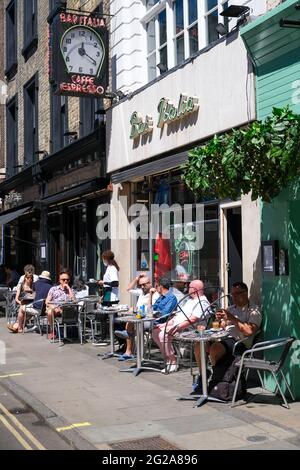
[63, 303]
[134, 319]
[196, 336]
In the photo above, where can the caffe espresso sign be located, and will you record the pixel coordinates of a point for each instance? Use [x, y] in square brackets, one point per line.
[167, 114]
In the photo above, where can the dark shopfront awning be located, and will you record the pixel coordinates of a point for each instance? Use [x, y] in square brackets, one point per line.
[151, 168]
[8, 216]
[78, 191]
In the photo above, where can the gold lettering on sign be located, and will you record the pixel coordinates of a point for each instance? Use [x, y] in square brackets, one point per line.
[169, 113]
[140, 127]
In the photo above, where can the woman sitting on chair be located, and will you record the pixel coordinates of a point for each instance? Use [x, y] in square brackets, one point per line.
[24, 295]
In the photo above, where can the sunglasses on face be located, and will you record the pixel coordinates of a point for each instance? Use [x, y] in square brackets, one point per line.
[143, 285]
[65, 279]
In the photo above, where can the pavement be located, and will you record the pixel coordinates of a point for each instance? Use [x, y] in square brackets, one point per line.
[94, 406]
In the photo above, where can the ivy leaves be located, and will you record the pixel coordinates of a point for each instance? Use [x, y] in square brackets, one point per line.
[262, 158]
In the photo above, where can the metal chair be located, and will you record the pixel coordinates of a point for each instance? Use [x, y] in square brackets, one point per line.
[37, 317]
[70, 317]
[248, 361]
[3, 298]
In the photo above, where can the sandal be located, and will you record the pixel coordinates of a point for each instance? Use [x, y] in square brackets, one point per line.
[11, 328]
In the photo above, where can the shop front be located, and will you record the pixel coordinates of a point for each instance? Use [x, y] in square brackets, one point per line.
[278, 84]
[149, 135]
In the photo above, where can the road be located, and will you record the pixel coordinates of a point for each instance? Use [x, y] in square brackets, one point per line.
[22, 429]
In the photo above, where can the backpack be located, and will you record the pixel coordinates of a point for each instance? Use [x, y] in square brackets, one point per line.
[223, 380]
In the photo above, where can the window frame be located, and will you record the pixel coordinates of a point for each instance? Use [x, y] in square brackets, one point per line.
[31, 110]
[11, 36]
[59, 122]
[12, 131]
[30, 25]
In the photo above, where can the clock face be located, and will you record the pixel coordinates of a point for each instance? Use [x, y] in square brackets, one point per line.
[83, 51]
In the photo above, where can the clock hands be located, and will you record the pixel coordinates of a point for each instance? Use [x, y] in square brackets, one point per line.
[82, 52]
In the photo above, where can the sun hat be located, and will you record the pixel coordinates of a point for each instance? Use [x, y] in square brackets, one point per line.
[45, 275]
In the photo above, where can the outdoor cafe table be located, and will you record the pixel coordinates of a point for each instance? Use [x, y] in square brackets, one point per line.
[111, 311]
[139, 330]
[201, 337]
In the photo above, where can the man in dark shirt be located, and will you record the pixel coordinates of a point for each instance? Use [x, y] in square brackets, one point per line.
[167, 301]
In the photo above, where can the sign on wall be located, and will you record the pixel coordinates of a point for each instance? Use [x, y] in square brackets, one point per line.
[78, 55]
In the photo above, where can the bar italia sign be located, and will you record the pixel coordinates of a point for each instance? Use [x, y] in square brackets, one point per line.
[167, 114]
[78, 55]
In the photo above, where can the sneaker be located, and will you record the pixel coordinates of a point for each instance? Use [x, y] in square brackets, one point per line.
[100, 343]
[122, 334]
[52, 336]
[33, 328]
[170, 368]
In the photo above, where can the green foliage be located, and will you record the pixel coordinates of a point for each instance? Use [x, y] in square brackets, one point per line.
[262, 158]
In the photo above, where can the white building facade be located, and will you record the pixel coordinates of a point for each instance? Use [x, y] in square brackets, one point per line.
[183, 83]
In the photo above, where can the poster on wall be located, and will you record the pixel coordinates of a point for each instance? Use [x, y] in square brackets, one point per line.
[78, 55]
[183, 255]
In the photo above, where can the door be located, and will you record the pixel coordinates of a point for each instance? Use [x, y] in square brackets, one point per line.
[231, 245]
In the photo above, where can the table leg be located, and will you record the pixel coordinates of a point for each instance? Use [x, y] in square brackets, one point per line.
[139, 367]
[111, 334]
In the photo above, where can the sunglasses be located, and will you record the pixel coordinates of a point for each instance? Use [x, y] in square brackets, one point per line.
[64, 279]
[143, 285]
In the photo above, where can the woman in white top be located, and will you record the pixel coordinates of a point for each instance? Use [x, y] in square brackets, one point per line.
[110, 281]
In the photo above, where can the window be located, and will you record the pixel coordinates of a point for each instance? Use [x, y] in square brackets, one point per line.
[175, 21]
[90, 112]
[30, 28]
[186, 29]
[12, 141]
[157, 44]
[31, 121]
[11, 39]
[178, 29]
[59, 122]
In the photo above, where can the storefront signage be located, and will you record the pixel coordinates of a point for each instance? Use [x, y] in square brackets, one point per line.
[78, 55]
[167, 113]
[140, 127]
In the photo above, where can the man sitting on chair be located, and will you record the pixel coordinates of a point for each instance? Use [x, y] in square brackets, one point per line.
[195, 310]
[61, 293]
[241, 319]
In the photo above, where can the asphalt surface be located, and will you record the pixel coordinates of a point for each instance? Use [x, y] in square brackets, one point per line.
[22, 429]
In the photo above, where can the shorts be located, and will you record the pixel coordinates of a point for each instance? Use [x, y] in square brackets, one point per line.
[229, 343]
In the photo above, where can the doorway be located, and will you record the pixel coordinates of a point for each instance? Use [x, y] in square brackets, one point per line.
[231, 244]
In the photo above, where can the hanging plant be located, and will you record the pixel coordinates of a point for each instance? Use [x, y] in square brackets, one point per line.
[262, 158]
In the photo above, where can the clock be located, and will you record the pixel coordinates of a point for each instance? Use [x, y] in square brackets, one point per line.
[82, 50]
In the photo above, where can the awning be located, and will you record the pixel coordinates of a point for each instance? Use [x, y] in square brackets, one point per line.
[12, 215]
[96, 184]
[151, 168]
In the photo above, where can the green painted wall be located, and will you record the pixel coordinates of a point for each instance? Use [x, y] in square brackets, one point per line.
[275, 53]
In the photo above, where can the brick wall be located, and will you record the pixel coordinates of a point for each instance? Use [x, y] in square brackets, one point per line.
[2, 106]
[38, 62]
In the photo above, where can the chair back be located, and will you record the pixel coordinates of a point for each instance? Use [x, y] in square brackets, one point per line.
[43, 308]
[69, 314]
[287, 343]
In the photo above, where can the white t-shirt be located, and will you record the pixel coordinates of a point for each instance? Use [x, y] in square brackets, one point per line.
[193, 308]
[247, 314]
[143, 298]
[112, 274]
